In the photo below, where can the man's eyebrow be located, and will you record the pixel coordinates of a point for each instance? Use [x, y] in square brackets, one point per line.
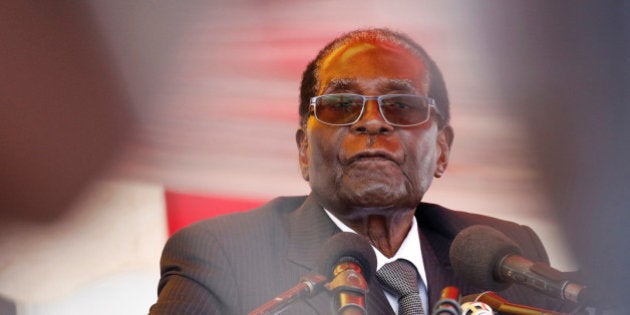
[397, 85]
[384, 84]
[341, 84]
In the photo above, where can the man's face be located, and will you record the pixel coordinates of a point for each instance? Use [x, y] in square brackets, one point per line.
[371, 166]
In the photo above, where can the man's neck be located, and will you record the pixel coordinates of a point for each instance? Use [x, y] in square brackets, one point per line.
[385, 231]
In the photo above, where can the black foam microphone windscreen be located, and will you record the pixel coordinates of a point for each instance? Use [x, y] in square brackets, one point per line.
[475, 254]
[347, 247]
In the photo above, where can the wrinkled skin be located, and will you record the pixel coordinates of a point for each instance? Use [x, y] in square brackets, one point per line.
[372, 175]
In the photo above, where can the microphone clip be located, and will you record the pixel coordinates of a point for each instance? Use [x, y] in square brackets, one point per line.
[349, 287]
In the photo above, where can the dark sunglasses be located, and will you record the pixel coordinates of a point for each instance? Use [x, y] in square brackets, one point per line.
[401, 110]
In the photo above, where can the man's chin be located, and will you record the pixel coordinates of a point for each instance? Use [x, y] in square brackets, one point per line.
[375, 197]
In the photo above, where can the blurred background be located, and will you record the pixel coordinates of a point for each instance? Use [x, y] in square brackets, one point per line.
[109, 108]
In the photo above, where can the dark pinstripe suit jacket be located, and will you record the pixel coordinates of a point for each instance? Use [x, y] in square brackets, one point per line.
[233, 264]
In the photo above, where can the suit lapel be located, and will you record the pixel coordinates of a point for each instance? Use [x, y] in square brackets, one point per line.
[437, 230]
[309, 228]
[376, 301]
[437, 269]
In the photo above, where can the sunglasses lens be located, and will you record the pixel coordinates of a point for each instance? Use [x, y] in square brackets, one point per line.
[405, 110]
[338, 108]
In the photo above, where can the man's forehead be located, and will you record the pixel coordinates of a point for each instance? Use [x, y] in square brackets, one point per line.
[395, 66]
[347, 51]
[351, 48]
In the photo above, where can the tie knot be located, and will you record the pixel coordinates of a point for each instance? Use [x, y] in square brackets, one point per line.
[400, 277]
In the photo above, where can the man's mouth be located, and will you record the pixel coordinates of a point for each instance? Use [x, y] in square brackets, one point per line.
[372, 156]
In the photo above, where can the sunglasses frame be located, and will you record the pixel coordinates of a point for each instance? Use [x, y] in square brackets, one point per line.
[379, 100]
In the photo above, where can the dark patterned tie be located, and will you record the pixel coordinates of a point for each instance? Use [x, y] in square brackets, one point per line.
[401, 279]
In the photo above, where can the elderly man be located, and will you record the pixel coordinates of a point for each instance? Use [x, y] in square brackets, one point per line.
[374, 133]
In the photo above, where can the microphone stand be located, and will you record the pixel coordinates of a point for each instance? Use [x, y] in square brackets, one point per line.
[309, 285]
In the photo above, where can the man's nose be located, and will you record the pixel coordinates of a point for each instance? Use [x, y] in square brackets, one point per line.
[372, 121]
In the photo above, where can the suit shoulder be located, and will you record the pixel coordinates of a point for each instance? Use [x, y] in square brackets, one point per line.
[449, 223]
[456, 220]
[263, 217]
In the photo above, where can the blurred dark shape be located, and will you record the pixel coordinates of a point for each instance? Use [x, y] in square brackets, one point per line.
[63, 112]
[7, 307]
[563, 65]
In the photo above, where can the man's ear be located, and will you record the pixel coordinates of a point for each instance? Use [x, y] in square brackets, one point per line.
[444, 142]
[302, 143]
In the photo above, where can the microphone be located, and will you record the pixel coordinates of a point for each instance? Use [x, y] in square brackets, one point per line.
[490, 260]
[448, 304]
[349, 260]
[346, 258]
